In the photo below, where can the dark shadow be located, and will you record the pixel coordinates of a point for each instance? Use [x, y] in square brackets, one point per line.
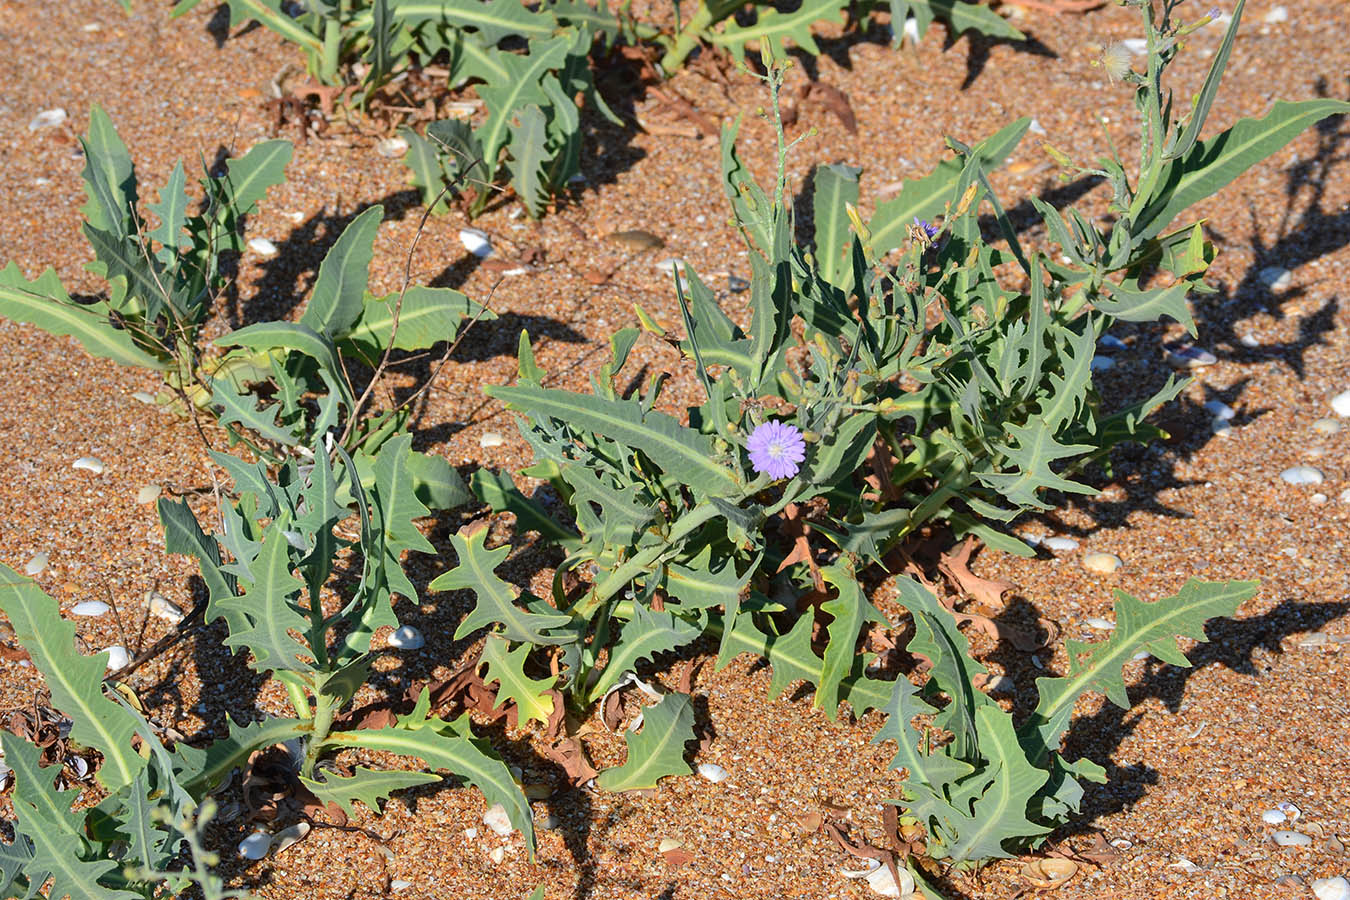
[982, 46]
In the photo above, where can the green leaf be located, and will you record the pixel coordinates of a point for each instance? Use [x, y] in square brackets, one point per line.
[681, 452]
[1211, 165]
[75, 681]
[427, 317]
[203, 770]
[239, 406]
[436, 483]
[396, 505]
[172, 212]
[1140, 626]
[973, 17]
[657, 750]
[848, 612]
[927, 774]
[294, 336]
[505, 98]
[109, 177]
[496, 599]
[926, 198]
[648, 633]
[1133, 305]
[779, 27]
[1035, 448]
[499, 492]
[245, 184]
[836, 186]
[183, 534]
[45, 303]
[492, 20]
[271, 608]
[426, 172]
[1205, 99]
[529, 155]
[507, 668]
[449, 746]
[339, 292]
[370, 786]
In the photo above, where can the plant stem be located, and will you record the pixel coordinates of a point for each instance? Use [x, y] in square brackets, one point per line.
[687, 39]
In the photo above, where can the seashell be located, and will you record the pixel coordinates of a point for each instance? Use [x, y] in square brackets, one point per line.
[548, 823]
[79, 765]
[398, 884]
[497, 855]
[1249, 340]
[148, 494]
[1101, 363]
[1291, 839]
[636, 240]
[1341, 404]
[37, 563]
[256, 845]
[144, 397]
[1273, 817]
[1290, 810]
[1099, 622]
[1000, 684]
[1122, 844]
[48, 118]
[288, 837]
[537, 791]
[90, 608]
[713, 772]
[882, 882]
[736, 284]
[1331, 888]
[1302, 475]
[871, 866]
[470, 833]
[118, 657]
[1220, 428]
[476, 242]
[668, 844]
[1189, 357]
[1219, 410]
[163, 608]
[406, 637]
[491, 439]
[89, 463]
[1059, 544]
[1049, 873]
[497, 819]
[1326, 426]
[1104, 563]
[1109, 343]
[1277, 15]
[392, 147]
[1185, 865]
[262, 246]
[1035, 127]
[1277, 278]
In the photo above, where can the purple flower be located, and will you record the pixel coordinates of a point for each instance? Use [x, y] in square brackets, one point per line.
[926, 227]
[777, 449]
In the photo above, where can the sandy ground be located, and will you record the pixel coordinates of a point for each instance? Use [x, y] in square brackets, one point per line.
[1258, 720]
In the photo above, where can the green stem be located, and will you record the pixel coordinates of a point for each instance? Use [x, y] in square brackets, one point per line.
[687, 39]
[324, 709]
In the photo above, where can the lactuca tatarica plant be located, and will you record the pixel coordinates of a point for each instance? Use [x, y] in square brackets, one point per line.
[865, 398]
[274, 386]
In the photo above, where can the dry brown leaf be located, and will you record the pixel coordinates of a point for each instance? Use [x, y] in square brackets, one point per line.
[956, 566]
[571, 756]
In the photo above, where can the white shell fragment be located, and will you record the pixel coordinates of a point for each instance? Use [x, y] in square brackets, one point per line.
[1109, 343]
[162, 608]
[1103, 563]
[392, 148]
[118, 657]
[398, 884]
[497, 819]
[90, 608]
[1185, 865]
[1219, 410]
[36, 564]
[713, 772]
[1326, 426]
[1101, 363]
[1035, 127]
[1291, 839]
[1277, 15]
[1277, 278]
[288, 837]
[1190, 358]
[262, 246]
[48, 118]
[1273, 817]
[476, 242]
[1000, 684]
[1341, 404]
[1302, 475]
[1099, 622]
[1059, 544]
[1221, 427]
[148, 494]
[491, 439]
[406, 637]
[256, 845]
[1290, 810]
[1331, 888]
[668, 844]
[89, 464]
[497, 855]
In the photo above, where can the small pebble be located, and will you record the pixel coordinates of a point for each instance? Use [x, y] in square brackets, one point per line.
[1277, 15]
[1099, 622]
[1318, 499]
[1059, 544]
[1105, 563]
[491, 439]
[1000, 684]
[470, 833]
[667, 845]
[144, 397]
[476, 242]
[36, 564]
[1331, 888]
[1036, 127]
[1273, 817]
[148, 494]
[1101, 363]
[497, 819]
[1277, 278]
[163, 608]
[398, 884]
[636, 240]
[256, 845]
[262, 246]
[670, 264]
[89, 464]
[1141, 655]
[48, 118]
[1302, 475]
[1189, 357]
[1221, 427]
[1326, 426]
[713, 772]
[118, 657]
[406, 637]
[1219, 410]
[548, 823]
[497, 855]
[1249, 340]
[91, 27]
[90, 608]
[1345, 496]
[1341, 404]
[1109, 343]
[392, 148]
[1291, 839]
